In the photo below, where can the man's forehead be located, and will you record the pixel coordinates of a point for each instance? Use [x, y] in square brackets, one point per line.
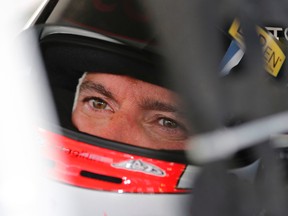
[110, 79]
[111, 84]
[98, 75]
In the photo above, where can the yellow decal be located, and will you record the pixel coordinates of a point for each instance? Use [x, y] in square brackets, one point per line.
[273, 55]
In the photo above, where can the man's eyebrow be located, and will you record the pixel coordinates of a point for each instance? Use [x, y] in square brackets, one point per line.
[151, 104]
[96, 87]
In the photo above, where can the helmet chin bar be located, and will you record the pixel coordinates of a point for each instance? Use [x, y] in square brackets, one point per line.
[91, 165]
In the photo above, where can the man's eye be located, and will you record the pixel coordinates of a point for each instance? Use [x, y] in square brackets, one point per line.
[98, 104]
[168, 123]
[172, 129]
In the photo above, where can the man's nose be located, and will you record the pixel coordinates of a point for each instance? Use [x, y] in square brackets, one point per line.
[123, 128]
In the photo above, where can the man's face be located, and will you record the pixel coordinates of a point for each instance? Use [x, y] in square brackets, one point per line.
[127, 110]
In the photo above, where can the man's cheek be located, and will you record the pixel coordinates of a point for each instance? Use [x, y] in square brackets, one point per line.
[89, 124]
